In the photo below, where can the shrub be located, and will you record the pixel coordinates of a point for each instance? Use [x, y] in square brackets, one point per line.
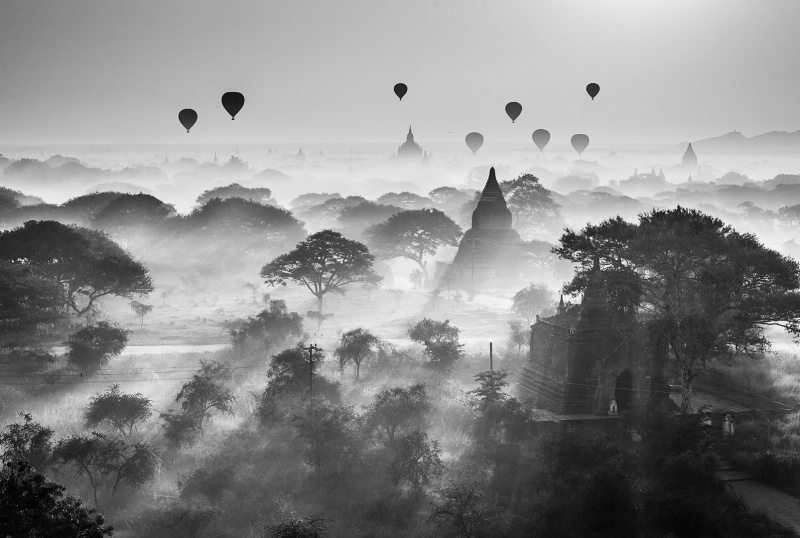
[31, 505]
[92, 347]
[119, 410]
[28, 442]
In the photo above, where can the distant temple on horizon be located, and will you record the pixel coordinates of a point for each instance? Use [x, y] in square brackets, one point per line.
[489, 254]
[689, 160]
[410, 150]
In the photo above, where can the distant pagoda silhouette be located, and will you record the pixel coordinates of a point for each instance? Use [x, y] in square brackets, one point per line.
[689, 158]
[489, 253]
[410, 150]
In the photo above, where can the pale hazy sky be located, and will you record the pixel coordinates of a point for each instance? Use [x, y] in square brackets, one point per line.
[118, 71]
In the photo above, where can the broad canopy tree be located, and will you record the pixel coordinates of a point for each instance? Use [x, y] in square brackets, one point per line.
[414, 235]
[117, 409]
[85, 263]
[530, 202]
[530, 301]
[325, 262]
[702, 289]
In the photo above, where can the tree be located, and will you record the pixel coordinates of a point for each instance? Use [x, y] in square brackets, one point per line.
[253, 289]
[132, 210]
[320, 318]
[416, 459]
[261, 195]
[141, 310]
[325, 262]
[223, 217]
[93, 347]
[529, 201]
[529, 301]
[179, 429]
[461, 507]
[27, 296]
[440, 340]
[491, 386]
[100, 455]
[706, 290]
[134, 464]
[405, 200]
[202, 394]
[413, 235]
[272, 326]
[356, 346]
[84, 452]
[518, 335]
[289, 369]
[28, 442]
[356, 219]
[397, 407]
[117, 409]
[331, 436]
[790, 214]
[31, 505]
[83, 262]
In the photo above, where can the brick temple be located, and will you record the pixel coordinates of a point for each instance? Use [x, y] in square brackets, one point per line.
[578, 362]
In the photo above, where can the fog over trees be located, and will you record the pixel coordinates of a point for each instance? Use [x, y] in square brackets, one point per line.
[280, 354]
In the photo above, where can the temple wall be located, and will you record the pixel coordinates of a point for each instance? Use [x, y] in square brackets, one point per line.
[576, 372]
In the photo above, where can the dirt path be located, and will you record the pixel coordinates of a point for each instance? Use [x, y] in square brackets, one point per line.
[756, 495]
[777, 504]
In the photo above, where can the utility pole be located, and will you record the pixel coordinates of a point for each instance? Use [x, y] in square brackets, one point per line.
[311, 349]
[491, 365]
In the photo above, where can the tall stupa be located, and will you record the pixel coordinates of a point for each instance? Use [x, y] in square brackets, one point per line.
[489, 254]
[410, 150]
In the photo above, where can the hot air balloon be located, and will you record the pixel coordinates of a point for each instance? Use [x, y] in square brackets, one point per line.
[233, 102]
[540, 137]
[187, 117]
[593, 89]
[513, 109]
[580, 142]
[400, 90]
[474, 142]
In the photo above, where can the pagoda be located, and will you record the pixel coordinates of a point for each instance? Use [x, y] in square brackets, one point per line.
[489, 254]
[689, 159]
[578, 363]
[409, 150]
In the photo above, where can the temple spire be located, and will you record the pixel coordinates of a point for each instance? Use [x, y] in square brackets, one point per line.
[561, 310]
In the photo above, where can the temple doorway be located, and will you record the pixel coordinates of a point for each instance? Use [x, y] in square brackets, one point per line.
[623, 390]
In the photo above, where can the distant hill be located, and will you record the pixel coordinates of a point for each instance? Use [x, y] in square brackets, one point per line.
[736, 142]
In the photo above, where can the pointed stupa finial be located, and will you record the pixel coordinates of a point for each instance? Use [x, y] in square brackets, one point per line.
[410, 136]
[561, 307]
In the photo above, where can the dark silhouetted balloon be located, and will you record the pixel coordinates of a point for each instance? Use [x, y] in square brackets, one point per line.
[540, 137]
[580, 142]
[233, 102]
[400, 90]
[474, 142]
[187, 117]
[513, 109]
[593, 89]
